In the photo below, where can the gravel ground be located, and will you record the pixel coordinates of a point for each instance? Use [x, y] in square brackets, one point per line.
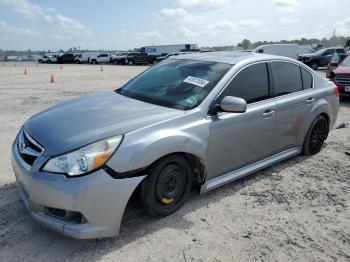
[297, 210]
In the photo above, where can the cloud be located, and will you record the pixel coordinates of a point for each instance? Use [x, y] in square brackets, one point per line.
[67, 24]
[60, 37]
[171, 13]
[6, 29]
[203, 3]
[343, 26]
[250, 23]
[149, 35]
[287, 5]
[186, 33]
[286, 20]
[123, 32]
[24, 7]
[223, 25]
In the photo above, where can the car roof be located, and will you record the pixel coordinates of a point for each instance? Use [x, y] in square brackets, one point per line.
[231, 57]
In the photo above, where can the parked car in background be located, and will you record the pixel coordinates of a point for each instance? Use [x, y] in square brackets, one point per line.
[136, 58]
[320, 58]
[118, 58]
[341, 77]
[101, 58]
[67, 58]
[193, 121]
[334, 63]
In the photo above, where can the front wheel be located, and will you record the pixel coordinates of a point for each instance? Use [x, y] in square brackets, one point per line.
[316, 136]
[314, 65]
[167, 186]
[130, 62]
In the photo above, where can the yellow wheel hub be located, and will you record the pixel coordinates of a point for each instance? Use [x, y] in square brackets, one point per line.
[167, 200]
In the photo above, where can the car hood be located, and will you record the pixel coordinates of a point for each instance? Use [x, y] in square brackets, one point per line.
[80, 121]
[307, 55]
[342, 70]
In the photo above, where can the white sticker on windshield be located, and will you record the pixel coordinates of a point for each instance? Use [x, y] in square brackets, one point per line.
[196, 81]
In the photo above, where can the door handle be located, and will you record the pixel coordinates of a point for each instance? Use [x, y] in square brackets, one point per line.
[268, 113]
[310, 100]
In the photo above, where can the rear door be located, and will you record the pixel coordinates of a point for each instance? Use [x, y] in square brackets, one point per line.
[237, 139]
[292, 91]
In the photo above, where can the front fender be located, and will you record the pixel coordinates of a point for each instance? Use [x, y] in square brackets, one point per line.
[142, 148]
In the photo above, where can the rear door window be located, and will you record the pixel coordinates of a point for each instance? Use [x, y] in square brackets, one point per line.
[287, 78]
[251, 84]
[340, 50]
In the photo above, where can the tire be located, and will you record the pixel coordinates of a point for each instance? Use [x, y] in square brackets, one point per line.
[115, 61]
[130, 62]
[167, 187]
[314, 65]
[316, 136]
[48, 61]
[77, 62]
[94, 62]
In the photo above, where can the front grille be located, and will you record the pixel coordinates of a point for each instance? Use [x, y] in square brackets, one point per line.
[28, 148]
[342, 80]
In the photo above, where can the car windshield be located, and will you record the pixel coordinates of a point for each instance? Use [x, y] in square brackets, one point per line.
[320, 52]
[179, 84]
[346, 61]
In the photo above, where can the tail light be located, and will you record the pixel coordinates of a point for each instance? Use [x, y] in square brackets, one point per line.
[336, 91]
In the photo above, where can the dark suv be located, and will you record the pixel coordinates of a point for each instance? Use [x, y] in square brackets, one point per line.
[320, 58]
[137, 58]
[66, 58]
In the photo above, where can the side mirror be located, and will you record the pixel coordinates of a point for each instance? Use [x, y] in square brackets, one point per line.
[233, 104]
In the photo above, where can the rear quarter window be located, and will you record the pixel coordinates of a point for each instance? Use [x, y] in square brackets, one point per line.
[307, 78]
[287, 78]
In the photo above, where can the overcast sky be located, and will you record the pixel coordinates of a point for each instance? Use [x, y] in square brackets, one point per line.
[111, 24]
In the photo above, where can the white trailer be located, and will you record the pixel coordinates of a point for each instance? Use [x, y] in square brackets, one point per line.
[167, 49]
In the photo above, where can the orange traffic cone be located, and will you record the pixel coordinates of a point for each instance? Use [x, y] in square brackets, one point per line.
[52, 80]
[25, 71]
[101, 69]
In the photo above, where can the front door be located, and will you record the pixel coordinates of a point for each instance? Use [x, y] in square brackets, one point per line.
[237, 139]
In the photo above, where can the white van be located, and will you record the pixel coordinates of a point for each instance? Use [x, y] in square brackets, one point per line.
[84, 57]
[288, 50]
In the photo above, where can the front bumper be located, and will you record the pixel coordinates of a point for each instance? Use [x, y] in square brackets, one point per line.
[100, 198]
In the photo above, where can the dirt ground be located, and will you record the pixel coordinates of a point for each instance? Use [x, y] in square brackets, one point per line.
[297, 210]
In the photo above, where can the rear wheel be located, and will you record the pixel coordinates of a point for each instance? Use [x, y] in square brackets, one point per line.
[316, 136]
[130, 62]
[115, 61]
[167, 186]
[94, 62]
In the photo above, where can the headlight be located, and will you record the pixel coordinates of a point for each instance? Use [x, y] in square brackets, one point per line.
[84, 159]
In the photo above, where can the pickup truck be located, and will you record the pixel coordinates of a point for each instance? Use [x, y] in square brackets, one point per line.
[136, 58]
[48, 59]
[101, 58]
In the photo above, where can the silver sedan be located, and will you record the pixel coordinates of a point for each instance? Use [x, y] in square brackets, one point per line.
[194, 121]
